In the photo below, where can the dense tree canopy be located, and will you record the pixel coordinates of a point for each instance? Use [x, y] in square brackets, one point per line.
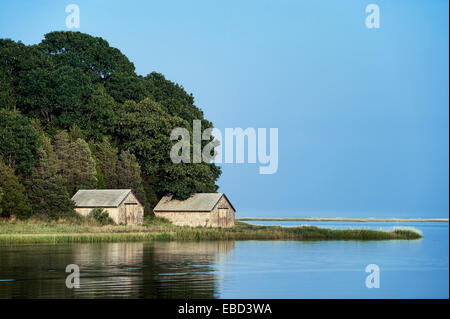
[15, 200]
[74, 114]
[19, 141]
[49, 198]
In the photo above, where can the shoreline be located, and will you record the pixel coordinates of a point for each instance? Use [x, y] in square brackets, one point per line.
[338, 219]
[34, 232]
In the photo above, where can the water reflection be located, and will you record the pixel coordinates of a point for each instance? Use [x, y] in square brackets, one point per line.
[241, 269]
[124, 270]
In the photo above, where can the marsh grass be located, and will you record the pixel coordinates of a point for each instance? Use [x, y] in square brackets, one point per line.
[86, 230]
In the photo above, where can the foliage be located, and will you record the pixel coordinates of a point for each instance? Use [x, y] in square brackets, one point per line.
[1, 197]
[48, 161]
[73, 89]
[107, 160]
[144, 129]
[49, 199]
[129, 171]
[101, 216]
[99, 116]
[55, 96]
[19, 141]
[116, 171]
[172, 97]
[7, 96]
[76, 165]
[15, 201]
[90, 54]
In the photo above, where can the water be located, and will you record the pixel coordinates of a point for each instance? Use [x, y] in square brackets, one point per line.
[240, 269]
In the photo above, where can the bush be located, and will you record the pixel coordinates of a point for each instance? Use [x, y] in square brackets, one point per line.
[101, 216]
[156, 221]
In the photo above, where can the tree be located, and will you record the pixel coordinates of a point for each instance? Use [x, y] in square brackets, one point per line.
[46, 189]
[144, 130]
[55, 95]
[19, 141]
[90, 54]
[116, 171]
[62, 150]
[129, 173]
[7, 95]
[75, 132]
[82, 166]
[14, 201]
[101, 184]
[49, 199]
[48, 160]
[76, 164]
[79, 82]
[107, 160]
[99, 115]
[125, 86]
[172, 97]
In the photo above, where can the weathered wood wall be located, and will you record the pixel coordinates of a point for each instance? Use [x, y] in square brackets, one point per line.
[203, 219]
[124, 214]
[131, 214]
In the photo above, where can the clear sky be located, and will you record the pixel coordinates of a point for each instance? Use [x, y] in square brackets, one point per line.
[363, 114]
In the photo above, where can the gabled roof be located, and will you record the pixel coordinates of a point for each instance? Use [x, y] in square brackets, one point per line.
[200, 202]
[100, 197]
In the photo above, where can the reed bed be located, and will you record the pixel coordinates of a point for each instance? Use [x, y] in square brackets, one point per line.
[82, 231]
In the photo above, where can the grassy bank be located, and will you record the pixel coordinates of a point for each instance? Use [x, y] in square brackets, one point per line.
[33, 231]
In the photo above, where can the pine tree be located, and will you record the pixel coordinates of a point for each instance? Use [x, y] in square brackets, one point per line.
[46, 189]
[48, 160]
[107, 160]
[76, 166]
[62, 150]
[81, 167]
[129, 172]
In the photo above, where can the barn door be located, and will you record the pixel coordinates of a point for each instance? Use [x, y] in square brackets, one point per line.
[223, 212]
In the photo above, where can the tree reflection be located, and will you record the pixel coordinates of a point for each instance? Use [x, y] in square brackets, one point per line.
[123, 270]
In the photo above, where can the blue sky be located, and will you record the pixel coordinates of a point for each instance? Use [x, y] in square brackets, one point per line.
[363, 114]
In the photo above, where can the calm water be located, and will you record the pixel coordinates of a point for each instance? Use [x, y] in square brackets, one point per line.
[241, 269]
